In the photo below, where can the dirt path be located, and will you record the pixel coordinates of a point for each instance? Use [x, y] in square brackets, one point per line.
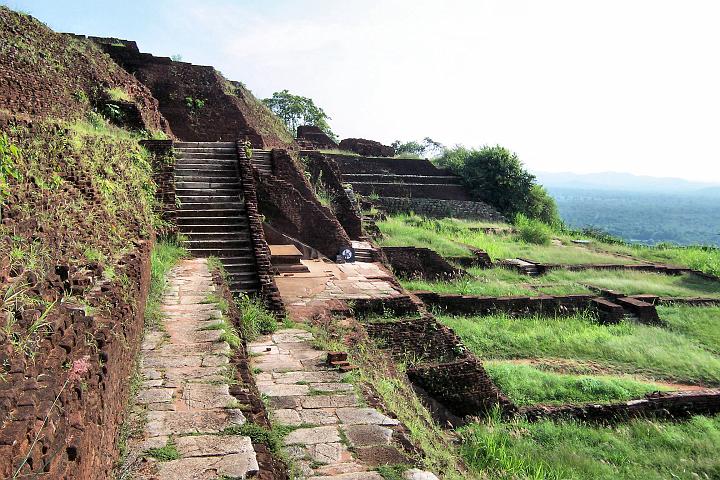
[337, 437]
[184, 401]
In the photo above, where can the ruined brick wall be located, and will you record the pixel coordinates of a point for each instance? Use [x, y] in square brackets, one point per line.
[199, 103]
[418, 339]
[248, 181]
[48, 74]
[79, 439]
[674, 405]
[350, 164]
[439, 208]
[366, 147]
[290, 206]
[515, 306]
[323, 169]
[313, 137]
[414, 262]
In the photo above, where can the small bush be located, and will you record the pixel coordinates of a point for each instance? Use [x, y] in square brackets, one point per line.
[255, 318]
[532, 231]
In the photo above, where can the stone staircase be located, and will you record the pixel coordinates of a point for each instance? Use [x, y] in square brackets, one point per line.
[212, 213]
[262, 161]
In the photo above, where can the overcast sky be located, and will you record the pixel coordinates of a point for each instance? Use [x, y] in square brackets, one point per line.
[582, 86]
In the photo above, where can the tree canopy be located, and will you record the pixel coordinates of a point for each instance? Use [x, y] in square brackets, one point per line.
[296, 110]
[496, 175]
[427, 147]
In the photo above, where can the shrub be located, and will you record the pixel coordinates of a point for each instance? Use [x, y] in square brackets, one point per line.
[495, 175]
[531, 230]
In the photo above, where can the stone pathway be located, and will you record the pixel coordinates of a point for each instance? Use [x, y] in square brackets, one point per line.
[337, 437]
[185, 391]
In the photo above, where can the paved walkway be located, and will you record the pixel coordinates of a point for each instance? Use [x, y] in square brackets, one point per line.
[185, 391]
[337, 437]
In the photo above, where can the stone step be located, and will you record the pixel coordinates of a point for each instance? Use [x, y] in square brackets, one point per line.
[240, 234]
[238, 262]
[375, 178]
[207, 192]
[218, 212]
[210, 198]
[240, 276]
[295, 268]
[221, 252]
[215, 205]
[206, 162]
[223, 178]
[222, 185]
[238, 227]
[205, 173]
[204, 145]
[217, 221]
[218, 244]
[206, 155]
[228, 169]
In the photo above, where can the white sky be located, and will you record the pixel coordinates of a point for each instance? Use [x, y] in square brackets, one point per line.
[582, 86]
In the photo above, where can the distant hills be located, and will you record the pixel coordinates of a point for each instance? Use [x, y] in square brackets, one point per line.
[625, 182]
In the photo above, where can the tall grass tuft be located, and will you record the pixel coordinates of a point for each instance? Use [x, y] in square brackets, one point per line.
[255, 318]
[165, 255]
[532, 231]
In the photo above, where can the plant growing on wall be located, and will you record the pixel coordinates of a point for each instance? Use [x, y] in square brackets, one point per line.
[194, 104]
[9, 158]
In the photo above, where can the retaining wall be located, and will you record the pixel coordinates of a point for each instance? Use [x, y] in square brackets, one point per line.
[437, 208]
[415, 262]
[78, 441]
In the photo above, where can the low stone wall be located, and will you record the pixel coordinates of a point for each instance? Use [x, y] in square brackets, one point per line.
[648, 268]
[415, 262]
[425, 191]
[397, 306]
[479, 259]
[550, 305]
[422, 339]
[656, 405]
[463, 387]
[268, 288]
[85, 362]
[396, 166]
[437, 208]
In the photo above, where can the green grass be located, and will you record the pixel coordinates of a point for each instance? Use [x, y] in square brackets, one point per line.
[637, 450]
[705, 259]
[633, 283]
[118, 94]
[653, 352]
[165, 255]
[164, 454]
[256, 320]
[494, 282]
[702, 324]
[452, 237]
[527, 385]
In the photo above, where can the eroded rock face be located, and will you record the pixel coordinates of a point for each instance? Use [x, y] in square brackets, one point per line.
[369, 148]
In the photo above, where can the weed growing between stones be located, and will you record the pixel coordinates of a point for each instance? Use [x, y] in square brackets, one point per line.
[165, 453]
[165, 255]
[255, 318]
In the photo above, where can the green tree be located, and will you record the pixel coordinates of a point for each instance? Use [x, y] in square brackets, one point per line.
[496, 175]
[428, 147]
[295, 110]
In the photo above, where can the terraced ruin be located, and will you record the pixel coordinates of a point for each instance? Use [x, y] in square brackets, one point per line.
[188, 291]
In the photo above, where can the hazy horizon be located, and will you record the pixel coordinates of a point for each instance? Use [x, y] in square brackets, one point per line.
[569, 86]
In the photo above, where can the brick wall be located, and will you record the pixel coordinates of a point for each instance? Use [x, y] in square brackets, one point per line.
[79, 439]
[437, 208]
[163, 163]
[268, 288]
[415, 262]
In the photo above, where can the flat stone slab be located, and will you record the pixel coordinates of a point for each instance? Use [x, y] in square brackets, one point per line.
[363, 416]
[329, 453]
[287, 336]
[287, 416]
[319, 416]
[332, 387]
[179, 423]
[368, 435]
[277, 362]
[310, 377]
[213, 445]
[417, 474]
[155, 395]
[328, 401]
[197, 468]
[283, 390]
[307, 436]
[206, 396]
